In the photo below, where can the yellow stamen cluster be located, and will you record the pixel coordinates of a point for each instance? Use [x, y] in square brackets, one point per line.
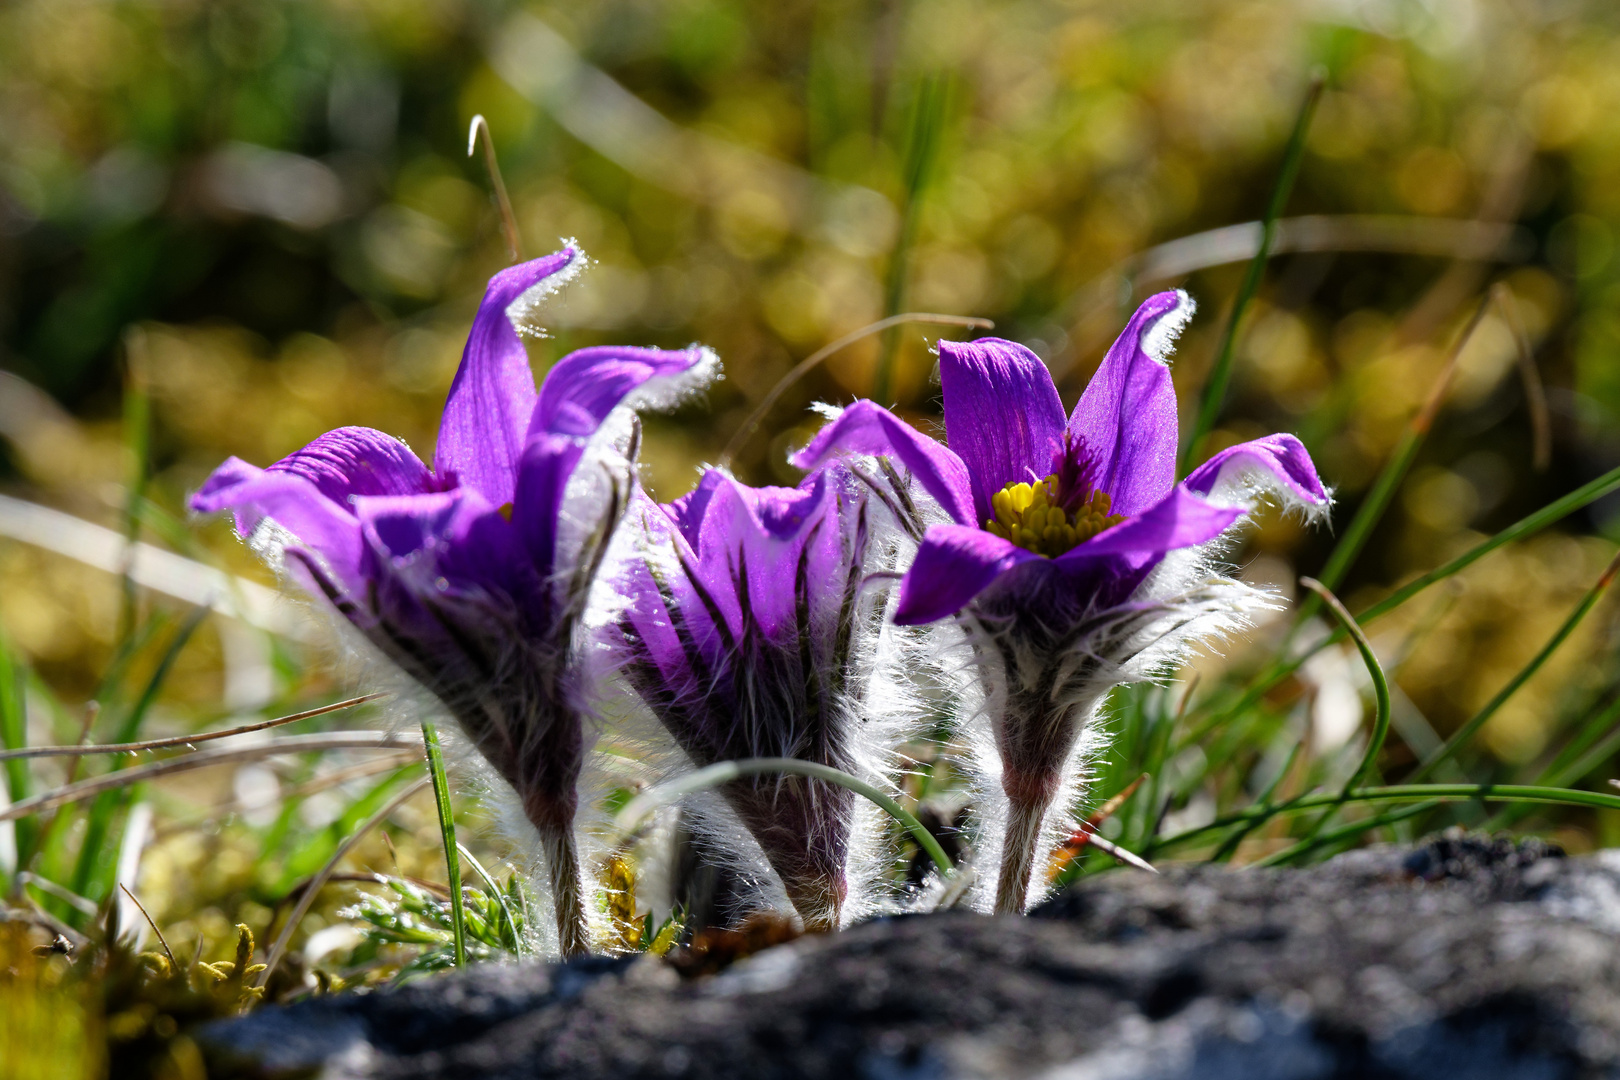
[1027, 515]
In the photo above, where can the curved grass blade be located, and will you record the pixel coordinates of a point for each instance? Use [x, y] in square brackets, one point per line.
[1469, 729]
[1524, 528]
[726, 771]
[1220, 374]
[1374, 669]
[307, 899]
[1511, 793]
[494, 889]
[447, 832]
[808, 364]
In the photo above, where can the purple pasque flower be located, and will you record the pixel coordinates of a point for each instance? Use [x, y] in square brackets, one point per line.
[1072, 558]
[473, 575]
[747, 633]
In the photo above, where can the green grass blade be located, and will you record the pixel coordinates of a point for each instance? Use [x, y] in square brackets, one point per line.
[924, 134]
[1524, 528]
[447, 832]
[138, 441]
[511, 938]
[317, 848]
[1521, 793]
[726, 771]
[98, 852]
[1598, 741]
[14, 736]
[1550, 514]
[136, 716]
[1374, 669]
[1586, 751]
[1220, 374]
[1381, 715]
[1349, 831]
[1478, 720]
[1371, 510]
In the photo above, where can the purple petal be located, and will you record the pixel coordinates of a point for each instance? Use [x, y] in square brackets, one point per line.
[1003, 416]
[1181, 519]
[216, 493]
[341, 465]
[655, 623]
[1127, 416]
[867, 428]
[585, 386]
[487, 415]
[688, 511]
[310, 493]
[763, 531]
[548, 462]
[323, 527]
[954, 564]
[456, 539]
[579, 392]
[1283, 457]
[356, 461]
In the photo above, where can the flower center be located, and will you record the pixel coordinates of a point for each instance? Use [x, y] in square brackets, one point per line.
[1030, 515]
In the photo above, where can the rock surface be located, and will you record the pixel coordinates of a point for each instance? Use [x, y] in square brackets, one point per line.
[1461, 958]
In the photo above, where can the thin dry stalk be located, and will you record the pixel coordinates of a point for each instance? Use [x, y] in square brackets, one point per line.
[514, 245]
[202, 759]
[808, 364]
[1093, 309]
[174, 965]
[81, 750]
[309, 787]
[1535, 394]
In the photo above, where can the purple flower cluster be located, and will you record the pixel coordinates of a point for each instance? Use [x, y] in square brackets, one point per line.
[1059, 554]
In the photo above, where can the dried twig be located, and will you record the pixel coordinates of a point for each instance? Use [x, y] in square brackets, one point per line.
[174, 965]
[202, 759]
[81, 749]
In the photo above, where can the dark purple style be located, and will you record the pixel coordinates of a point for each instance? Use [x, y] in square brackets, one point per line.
[747, 636]
[1058, 555]
[473, 575]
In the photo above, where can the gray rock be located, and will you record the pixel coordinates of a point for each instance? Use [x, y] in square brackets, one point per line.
[1464, 957]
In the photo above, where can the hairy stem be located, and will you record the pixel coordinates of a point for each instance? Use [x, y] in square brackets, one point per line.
[562, 868]
[1024, 819]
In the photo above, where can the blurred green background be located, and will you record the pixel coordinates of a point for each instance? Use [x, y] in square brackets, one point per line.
[261, 219]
